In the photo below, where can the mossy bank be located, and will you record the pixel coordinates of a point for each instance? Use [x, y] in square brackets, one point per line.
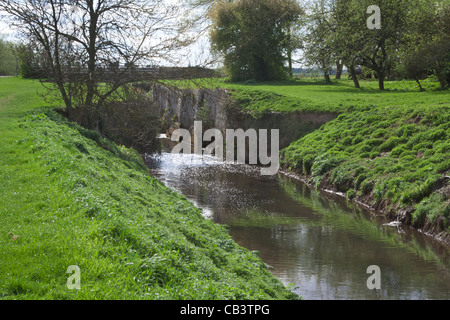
[69, 197]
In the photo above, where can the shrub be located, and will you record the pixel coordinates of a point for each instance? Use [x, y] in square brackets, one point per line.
[347, 141]
[357, 139]
[379, 190]
[420, 191]
[325, 163]
[367, 186]
[436, 135]
[308, 161]
[397, 151]
[133, 123]
[350, 194]
[359, 179]
[406, 130]
[431, 207]
[391, 143]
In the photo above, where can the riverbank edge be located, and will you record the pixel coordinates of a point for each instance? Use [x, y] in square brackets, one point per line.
[402, 218]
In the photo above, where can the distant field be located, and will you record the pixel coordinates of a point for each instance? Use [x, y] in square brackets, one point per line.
[317, 95]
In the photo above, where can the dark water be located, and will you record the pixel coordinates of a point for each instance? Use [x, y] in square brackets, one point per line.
[318, 244]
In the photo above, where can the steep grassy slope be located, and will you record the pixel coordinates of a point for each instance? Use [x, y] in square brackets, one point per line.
[69, 197]
[392, 158]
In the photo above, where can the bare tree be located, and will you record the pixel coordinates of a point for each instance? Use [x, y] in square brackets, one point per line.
[92, 47]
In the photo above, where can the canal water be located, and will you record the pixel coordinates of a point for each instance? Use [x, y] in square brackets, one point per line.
[318, 245]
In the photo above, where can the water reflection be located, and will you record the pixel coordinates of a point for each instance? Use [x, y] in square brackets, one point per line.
[319, 244]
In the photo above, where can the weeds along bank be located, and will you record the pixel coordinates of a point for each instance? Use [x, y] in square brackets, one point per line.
[392, 159]
[71, 198]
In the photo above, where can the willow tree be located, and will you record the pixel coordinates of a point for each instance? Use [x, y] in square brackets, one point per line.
[253, 36]
[92, 46]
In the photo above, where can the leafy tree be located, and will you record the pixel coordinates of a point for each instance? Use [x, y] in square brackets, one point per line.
[379, 46]
[339, 33]
[8, 61]
[427, 47]
[319, 48]
[332, 37]
[254, 36]
[346, 42]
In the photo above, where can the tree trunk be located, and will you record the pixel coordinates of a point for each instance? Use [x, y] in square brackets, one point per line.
[289, 53]
[354, 76]
[380, 80]
[339, 67]
[420, 86]
[442, 77]
[290, 64]
[92, 113]
[327, 76]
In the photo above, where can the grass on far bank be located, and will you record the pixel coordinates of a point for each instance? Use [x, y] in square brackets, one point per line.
[318, 96]
[69, 197]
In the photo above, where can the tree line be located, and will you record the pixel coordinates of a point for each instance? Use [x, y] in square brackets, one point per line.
[74, 44]
[15, 60]
[257, 38]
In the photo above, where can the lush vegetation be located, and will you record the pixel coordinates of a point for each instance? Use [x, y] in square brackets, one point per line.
[254, 36]
[391, 39]
[70, 197]
[395, 156]
[8, 61]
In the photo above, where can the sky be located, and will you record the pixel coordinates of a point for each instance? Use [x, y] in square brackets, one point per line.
[5, 30]
[193, 56]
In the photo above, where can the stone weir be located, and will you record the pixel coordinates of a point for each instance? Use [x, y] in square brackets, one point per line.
[179, 108]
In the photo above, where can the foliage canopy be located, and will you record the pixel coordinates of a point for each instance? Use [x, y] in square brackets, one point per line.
[253, 36]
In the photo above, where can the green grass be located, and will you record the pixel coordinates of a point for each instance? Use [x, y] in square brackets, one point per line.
[392, 156]
[77, 199]
[317, 95]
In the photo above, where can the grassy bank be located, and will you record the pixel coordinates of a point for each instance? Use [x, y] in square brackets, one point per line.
[389, 150]
[391, 158]
[69, 197]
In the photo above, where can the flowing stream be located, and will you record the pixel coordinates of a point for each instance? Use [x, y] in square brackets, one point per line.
[318, 244]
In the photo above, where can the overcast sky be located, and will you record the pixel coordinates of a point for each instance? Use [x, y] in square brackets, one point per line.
[196, 55]
[4, 28]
